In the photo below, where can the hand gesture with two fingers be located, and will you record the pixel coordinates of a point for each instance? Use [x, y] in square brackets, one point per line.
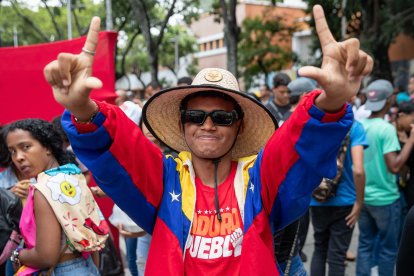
[343, 66]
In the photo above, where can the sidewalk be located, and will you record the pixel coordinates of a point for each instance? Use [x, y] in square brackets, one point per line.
[308, 250]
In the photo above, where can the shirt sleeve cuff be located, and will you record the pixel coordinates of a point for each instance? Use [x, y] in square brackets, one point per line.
[94, 124]
[320, 115]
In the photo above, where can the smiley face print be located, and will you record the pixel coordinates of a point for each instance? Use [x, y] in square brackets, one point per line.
[68, 189]
[65, 188]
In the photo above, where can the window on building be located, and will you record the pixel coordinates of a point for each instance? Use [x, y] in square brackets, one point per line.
[211, 45]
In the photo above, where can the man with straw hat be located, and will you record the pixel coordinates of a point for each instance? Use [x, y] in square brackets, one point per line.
[209, 210]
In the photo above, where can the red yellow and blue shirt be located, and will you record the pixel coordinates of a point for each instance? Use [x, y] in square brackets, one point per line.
[272, 188]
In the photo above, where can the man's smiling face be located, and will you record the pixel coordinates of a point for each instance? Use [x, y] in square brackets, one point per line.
[208, 140]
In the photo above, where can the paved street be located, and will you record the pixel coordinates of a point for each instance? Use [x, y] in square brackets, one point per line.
[308, 249]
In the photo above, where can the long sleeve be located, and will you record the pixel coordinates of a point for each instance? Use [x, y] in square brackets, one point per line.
[125, 164]
[297, 156]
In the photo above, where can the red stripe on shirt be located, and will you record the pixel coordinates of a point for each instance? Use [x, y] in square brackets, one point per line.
[258, 238]
[168, 257]
[136, 154]
[277, 160]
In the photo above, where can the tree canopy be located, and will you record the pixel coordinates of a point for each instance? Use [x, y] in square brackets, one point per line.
[142, 40]
[153, 20]
[47, 23]
[375, 22]
[262, 47]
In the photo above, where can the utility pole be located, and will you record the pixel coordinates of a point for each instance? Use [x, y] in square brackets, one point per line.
[69, 19]
[109, 23]
[177, 61]
[176, 40]
[0, 27]
[343, 20]
[15, 37]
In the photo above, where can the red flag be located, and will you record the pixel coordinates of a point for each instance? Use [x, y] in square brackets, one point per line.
[24, 92]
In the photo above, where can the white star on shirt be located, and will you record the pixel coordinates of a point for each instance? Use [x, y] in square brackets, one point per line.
[210, 212]
[206, 212]
[251, 187]
[174, 196]
[221, 210]
[227, 208]
[199, 211]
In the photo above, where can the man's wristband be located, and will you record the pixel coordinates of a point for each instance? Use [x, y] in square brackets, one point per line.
[91, 118]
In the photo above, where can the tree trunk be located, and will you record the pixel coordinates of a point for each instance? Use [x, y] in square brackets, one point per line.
[231, 33]
[142, 13]
[382, 65]
[172, 70]
[29, 22]
[231, 43]
[153, 60]
[55, 24]
[77, 24]
[138, 75]
[121, 27]
[127, 49]
[373, 39]
[140, 10]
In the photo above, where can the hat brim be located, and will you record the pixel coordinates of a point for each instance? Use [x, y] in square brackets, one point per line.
[375, 106]
[161, 115]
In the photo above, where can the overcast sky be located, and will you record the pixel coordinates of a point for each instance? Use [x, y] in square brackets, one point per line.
[33, 4]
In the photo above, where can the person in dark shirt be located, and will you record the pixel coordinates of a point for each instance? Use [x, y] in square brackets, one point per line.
[406, 249]
[10, 212]
[297, 89]
[279, 104]
[405, 121]
[288, 243]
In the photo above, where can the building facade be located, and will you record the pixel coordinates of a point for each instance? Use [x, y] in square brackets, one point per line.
[210, 36]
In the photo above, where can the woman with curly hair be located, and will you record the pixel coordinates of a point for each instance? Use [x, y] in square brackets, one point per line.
[10, 178]
[35, 148]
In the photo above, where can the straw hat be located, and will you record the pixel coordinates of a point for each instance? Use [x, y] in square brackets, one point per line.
[161, 113]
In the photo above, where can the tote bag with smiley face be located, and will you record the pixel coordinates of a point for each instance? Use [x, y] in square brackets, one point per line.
[75, 208]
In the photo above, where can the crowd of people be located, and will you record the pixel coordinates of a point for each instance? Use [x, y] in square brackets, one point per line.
[208, 180]
[375, 185]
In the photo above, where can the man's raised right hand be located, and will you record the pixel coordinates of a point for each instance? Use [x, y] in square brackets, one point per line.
[71, 78]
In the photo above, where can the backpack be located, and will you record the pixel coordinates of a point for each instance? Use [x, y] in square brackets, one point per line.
[328, 187]
[110, 263]
[75, 208]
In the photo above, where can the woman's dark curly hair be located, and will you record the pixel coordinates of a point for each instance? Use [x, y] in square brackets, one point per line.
[4, 152]
[44, 132]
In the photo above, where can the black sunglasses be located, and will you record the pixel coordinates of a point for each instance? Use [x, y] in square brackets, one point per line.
[219, 117]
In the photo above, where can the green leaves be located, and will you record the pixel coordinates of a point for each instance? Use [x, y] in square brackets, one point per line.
[46, 23]
[264, 46]
[186, 45]
[375, 22]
